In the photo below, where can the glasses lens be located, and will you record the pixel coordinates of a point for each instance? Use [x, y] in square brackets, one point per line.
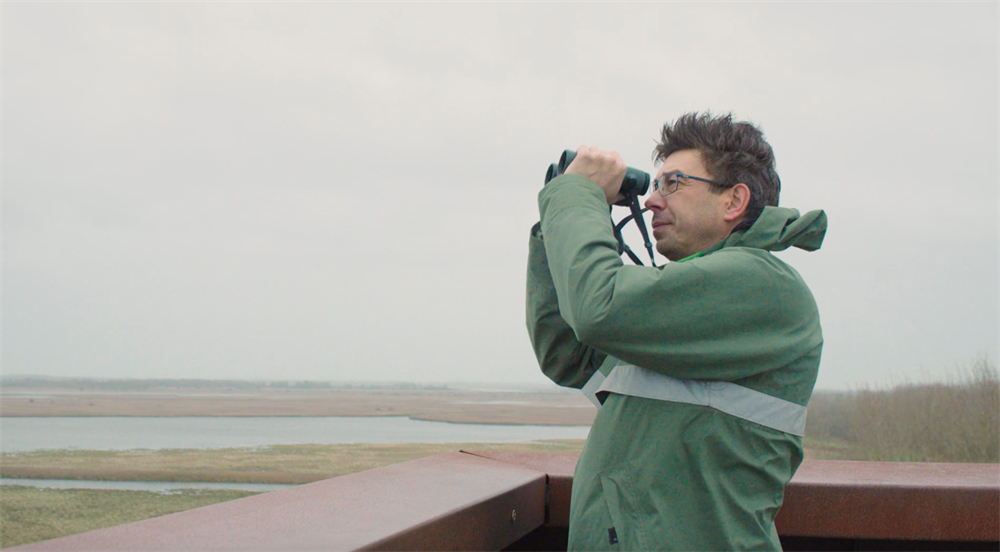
[666, 184]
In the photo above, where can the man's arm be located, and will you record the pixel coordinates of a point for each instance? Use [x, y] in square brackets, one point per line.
[726, 316]
[561, 356]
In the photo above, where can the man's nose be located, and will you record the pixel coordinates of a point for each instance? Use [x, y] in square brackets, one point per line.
[654, 202]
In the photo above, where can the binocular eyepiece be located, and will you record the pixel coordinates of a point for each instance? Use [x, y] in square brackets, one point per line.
[635, 182]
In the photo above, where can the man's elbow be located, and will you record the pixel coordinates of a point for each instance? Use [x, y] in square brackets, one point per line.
[565, 375]
[567, 368]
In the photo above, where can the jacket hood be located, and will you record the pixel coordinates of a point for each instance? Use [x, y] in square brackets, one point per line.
[778, 228]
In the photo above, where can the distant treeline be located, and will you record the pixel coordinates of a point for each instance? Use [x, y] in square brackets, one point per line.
[954, 421]
[101, 384]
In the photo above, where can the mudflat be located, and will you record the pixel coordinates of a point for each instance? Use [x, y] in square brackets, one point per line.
[555, 407]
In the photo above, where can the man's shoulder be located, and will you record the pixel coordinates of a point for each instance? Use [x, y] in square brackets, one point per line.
[748, 261]
[752, 272]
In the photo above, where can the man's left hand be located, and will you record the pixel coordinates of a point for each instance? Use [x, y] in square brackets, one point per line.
[606, 168]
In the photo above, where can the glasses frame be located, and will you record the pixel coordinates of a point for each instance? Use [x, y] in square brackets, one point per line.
[660, 187]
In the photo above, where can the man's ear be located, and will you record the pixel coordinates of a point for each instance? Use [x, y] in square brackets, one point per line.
[738, 201]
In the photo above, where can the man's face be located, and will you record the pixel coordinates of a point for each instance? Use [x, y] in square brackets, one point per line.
[690, 219]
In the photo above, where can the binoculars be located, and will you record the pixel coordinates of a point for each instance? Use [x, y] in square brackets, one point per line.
[635, 182]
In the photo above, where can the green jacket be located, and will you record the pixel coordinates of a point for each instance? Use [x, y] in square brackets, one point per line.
[704, 368]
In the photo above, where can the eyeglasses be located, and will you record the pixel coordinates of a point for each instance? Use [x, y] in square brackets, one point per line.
[668, 182]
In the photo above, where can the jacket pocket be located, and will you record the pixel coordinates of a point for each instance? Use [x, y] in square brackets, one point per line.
[618, 487]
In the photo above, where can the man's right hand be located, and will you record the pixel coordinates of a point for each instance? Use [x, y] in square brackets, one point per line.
[606, 168]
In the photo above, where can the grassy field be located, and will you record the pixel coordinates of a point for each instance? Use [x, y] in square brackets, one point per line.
[30, 514]
[273, 464]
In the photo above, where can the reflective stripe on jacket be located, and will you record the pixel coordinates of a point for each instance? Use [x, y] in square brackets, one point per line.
[735, 400]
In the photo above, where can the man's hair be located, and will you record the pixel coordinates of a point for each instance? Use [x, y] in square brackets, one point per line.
[732, 152]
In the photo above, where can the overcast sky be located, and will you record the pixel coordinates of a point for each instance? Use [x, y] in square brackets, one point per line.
[342, 191]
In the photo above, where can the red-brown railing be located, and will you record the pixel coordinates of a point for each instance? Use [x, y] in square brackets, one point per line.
[520, 501]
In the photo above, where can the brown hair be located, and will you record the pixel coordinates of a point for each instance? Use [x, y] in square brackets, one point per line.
[732, 152]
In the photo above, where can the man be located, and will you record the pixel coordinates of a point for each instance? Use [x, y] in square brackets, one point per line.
[704, 366]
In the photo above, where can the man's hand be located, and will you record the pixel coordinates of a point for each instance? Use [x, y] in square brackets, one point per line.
[606, 168]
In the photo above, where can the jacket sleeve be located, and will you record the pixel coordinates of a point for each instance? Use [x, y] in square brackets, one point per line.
[726, 316]
[561, 356]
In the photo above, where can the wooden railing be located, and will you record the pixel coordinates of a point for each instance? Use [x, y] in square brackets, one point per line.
[520, 501]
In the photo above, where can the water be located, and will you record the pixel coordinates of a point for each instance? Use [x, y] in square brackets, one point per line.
[155, 486]
[130, 433]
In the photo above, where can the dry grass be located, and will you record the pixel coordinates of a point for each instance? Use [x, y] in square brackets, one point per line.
[954, 421]
[28, 514]
[273, 464]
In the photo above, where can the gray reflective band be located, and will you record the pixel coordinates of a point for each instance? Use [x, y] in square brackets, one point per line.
[730, 398]
[590, 388]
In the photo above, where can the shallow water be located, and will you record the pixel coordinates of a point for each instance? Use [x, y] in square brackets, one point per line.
[129, 433]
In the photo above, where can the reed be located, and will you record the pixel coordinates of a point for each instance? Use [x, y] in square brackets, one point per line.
[957, 420]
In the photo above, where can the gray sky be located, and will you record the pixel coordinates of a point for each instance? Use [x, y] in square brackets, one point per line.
[344, 191]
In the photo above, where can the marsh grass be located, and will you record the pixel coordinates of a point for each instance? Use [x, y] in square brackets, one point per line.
[29, 514]
[954, 421]
[273, 464]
